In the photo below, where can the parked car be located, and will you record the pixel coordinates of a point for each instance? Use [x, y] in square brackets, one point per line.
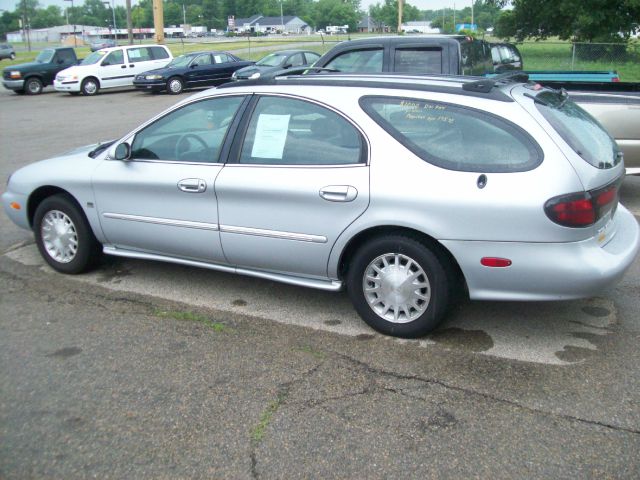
[196, 69]
[32, 77]
[506, 57]
[418, 54]
[111, 68]
[7, 51]
[275, 62]
[102, 43]
[403, 189]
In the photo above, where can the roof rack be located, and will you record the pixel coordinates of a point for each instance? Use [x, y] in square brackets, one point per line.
[451, 84]
[486, 84]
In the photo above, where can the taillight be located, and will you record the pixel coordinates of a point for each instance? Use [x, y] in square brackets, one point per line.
[583, 209]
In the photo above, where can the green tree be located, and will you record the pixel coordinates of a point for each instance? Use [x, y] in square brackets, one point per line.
[48, 17]
[337, 12]
[580, 20]
[387, 13]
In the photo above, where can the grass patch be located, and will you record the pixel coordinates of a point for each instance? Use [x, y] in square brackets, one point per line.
[258, 432]
[192, 317]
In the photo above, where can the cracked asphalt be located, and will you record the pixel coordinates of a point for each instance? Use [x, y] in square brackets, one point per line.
[145, 370]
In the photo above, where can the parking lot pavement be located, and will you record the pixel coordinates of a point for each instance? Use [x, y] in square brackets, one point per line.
[150, 370]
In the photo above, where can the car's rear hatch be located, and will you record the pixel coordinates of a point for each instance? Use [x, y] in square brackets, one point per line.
[593, 154]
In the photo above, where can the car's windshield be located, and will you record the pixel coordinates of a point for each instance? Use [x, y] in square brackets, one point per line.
[45, 56]
[181, 61]
[272, 60]
[580, 130]
[94, 57]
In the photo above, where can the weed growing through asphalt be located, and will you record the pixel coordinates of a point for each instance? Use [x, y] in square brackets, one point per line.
[192, 317]
[258, 432]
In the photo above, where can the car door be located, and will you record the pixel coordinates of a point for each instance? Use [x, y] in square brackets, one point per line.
[224, 68]
[296, 178]
[113, 71]
[201, 71]
[162, 200]
[142, 59]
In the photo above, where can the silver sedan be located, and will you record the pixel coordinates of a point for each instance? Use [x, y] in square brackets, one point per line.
[406, 190]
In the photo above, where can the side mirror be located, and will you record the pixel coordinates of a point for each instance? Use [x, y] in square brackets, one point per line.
[122, 151]
[60, 61]
[287, 65]
[105, 64]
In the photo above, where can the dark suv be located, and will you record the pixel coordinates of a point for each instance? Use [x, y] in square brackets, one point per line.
[433, 54]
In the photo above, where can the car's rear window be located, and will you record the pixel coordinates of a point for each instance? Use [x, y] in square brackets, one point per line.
[455, 137]
[581, 131]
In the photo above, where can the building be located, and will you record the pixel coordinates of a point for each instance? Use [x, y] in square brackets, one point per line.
[421, 26]
[265, 25]
[369, 25]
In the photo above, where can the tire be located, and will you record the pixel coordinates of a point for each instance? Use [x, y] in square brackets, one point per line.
[63, 235]
[33, 86]
[175, 85]
[90, 86]
[376, 283]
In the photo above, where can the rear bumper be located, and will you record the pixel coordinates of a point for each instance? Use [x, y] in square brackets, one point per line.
[13, 84]
[549, 271]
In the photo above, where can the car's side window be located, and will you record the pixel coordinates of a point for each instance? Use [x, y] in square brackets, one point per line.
[66, 56]
[286, 131]
[202, 60]
[296, 60]
[361, 61]
[311, 57]
[193, 133]
[222, 58]
[114, 58]
[418, 60]
[455, 137]
[158, 53]
[141, 54]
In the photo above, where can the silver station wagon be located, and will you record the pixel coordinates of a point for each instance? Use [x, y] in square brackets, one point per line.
[405, 190]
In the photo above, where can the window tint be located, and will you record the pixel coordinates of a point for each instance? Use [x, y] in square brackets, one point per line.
[66, 56]
[285, 131]
[364, 61]
[202, 60]
[158, 53]
[296, 60]
[580, 130]
[114, 58]
[454, 137]
[222, 58]
[311, 57]
[141, 54]
[193, 133]
[418, 60]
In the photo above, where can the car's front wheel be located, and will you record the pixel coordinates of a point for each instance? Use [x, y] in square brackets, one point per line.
[90, 86]
[175, 85]
[33, 86]
[63, 235]
[399, 286]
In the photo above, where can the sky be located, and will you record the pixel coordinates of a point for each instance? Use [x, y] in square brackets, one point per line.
[421, 4]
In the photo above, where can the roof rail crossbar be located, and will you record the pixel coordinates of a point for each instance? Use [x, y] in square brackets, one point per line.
[486, 84]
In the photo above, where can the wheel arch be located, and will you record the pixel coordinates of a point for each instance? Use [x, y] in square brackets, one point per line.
[36, 75]
[91, 77]
[42, 193]
[368, 234]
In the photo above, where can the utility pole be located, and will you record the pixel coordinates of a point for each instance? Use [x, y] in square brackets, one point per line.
[400, 2]
[472, 22]
[158, 21]
[25, 23]
[129, 24]
[75, 40]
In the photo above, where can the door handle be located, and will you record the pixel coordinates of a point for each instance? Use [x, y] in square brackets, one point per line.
[339, 193]
[192, 185]
[131, 65]
[123, 66]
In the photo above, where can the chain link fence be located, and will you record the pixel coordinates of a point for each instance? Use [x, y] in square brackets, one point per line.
[623, 58]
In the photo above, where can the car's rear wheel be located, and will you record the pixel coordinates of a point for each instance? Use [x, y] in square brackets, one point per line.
[175, 85]
[63, 235]
[33, 86]
[90, 86]
[399, 286]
